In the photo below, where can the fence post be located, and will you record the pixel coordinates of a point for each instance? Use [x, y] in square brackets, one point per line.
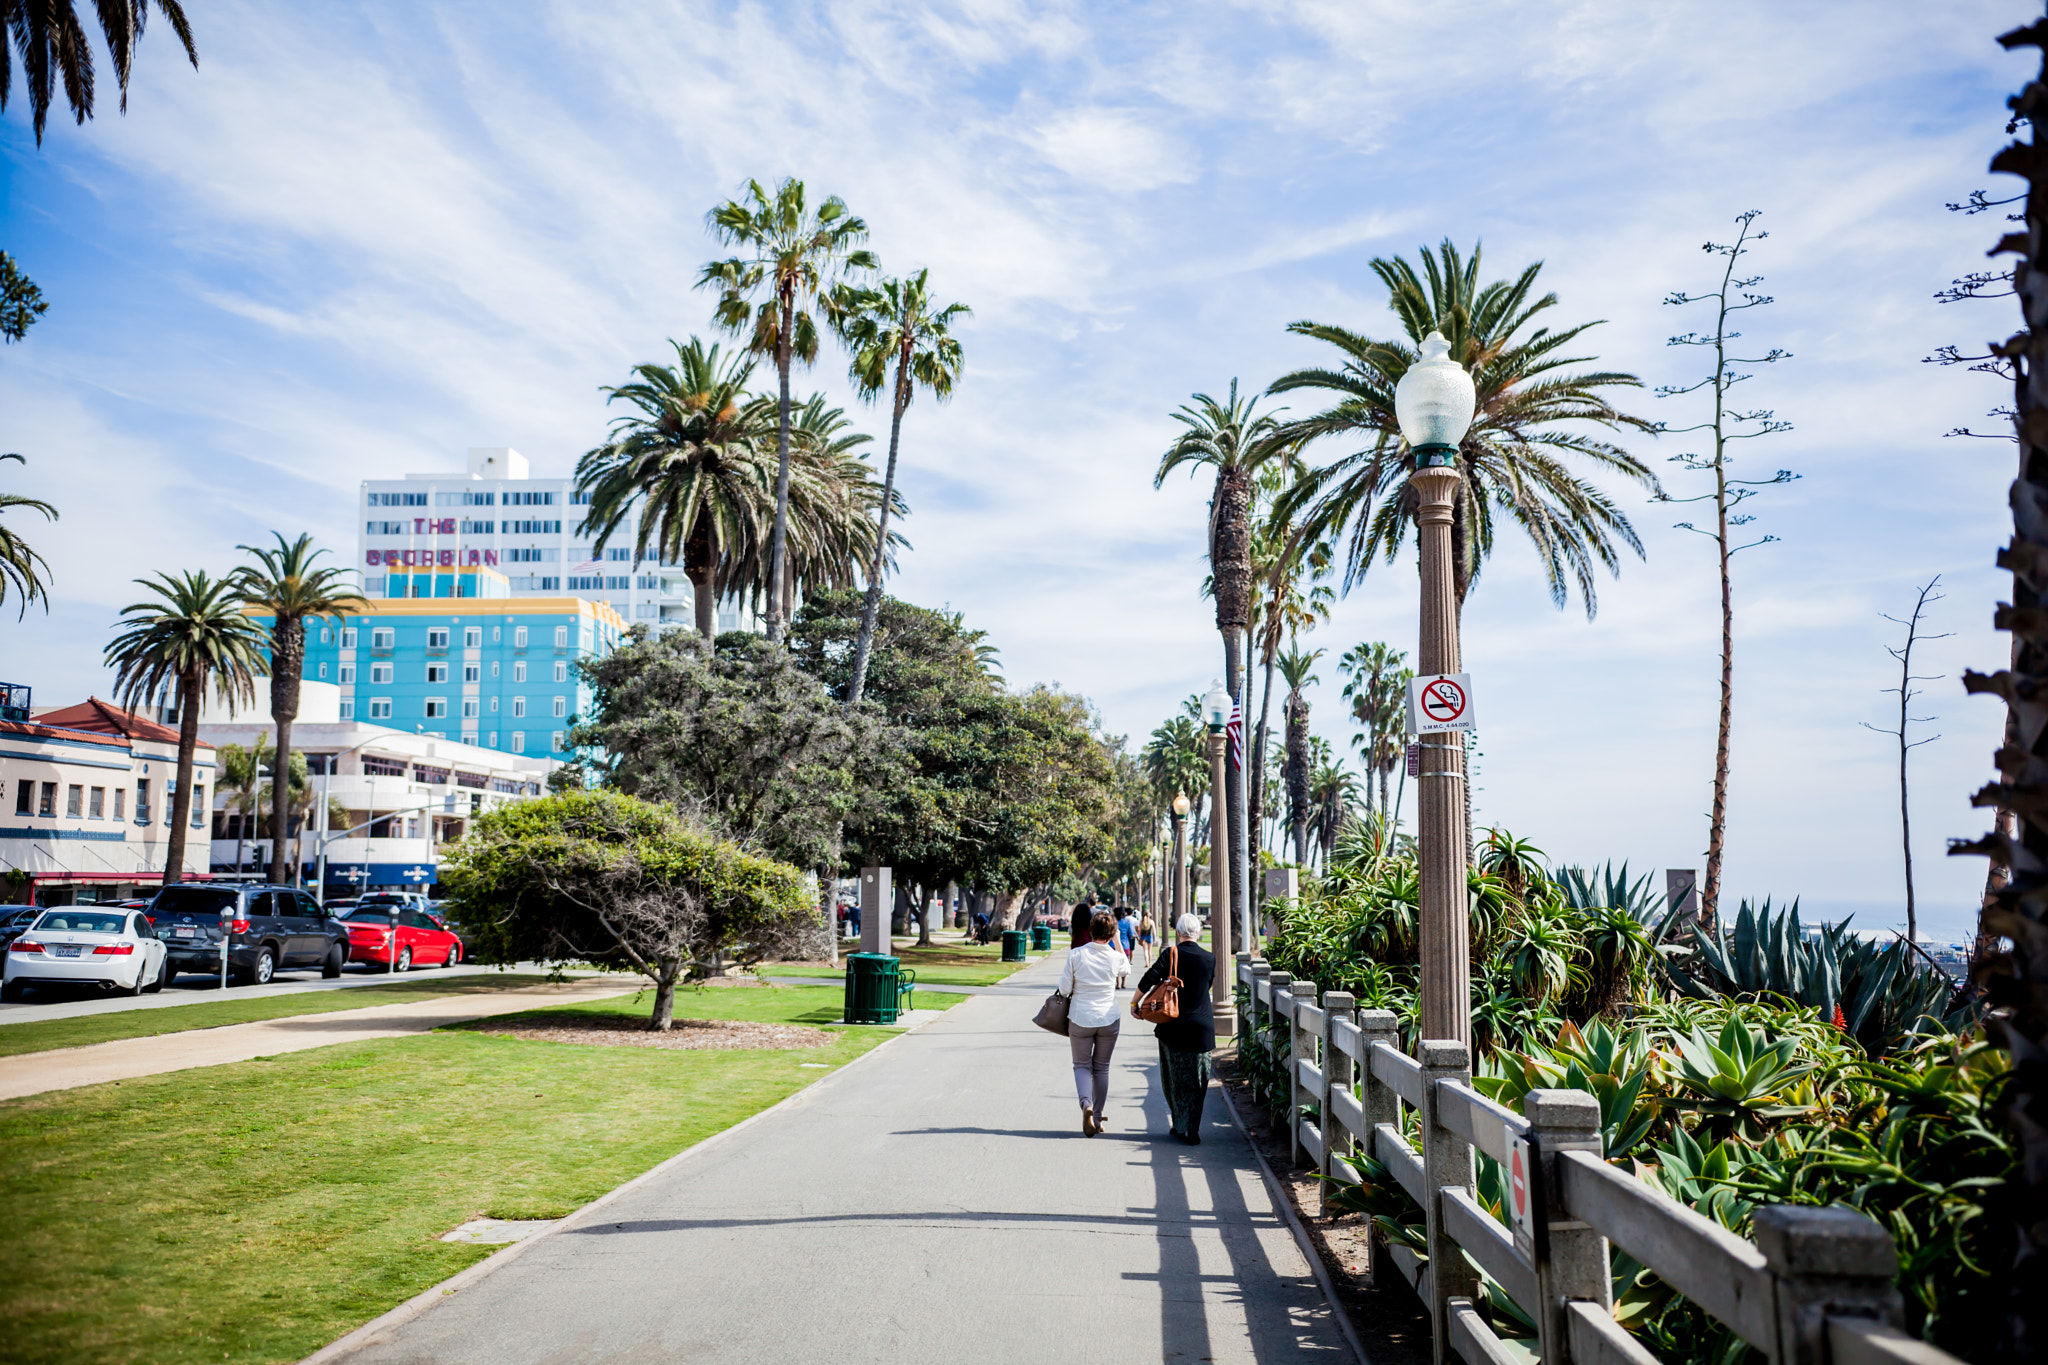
[1300, 1043]
[1825, 1261]
[1446, 1164]
[1337, 1074]
[1381, 1105]
[1575, 1266]
[1240, 975]
[1276, 984]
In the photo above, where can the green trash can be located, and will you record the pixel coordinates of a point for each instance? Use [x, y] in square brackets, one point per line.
[1041, 938]
[871, 988]
[1013, 946]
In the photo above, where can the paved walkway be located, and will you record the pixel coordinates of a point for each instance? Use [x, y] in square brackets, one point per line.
[199, 990]
[933, 1203]
[33, 1073]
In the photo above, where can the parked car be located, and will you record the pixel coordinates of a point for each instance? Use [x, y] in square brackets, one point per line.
[102, 946]
[14, 919]
[389, 898]
[376, 932]
[268, 929]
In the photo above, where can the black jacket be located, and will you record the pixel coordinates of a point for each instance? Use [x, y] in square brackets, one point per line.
[1195, 1030]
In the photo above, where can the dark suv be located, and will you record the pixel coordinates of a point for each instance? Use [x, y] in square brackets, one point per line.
[268, 928]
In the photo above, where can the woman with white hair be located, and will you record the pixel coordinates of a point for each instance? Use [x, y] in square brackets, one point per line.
[1186, 1041]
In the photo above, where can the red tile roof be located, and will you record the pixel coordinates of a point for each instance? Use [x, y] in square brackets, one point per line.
[36, 727]
[105, 718]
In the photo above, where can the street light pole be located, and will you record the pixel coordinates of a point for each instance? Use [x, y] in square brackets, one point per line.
[1216, 708]
[1177, 880]
[1434, 402]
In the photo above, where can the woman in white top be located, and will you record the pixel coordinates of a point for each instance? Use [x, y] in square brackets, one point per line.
[1091, 977]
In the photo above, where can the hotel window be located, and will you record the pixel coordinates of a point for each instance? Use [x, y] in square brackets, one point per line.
[519, 741]
[380, 708]
[48, 805]
[323, 670]
[383, 637]
[561, 709]
[437, 708]
[96, 807]
[142, 801]
[494, 706]
[348, 708]
[437, 673]
[561, 670]
[120, 801]
[74, 802]
[348, 674]
[561, 637]
[494, 668]
[198, 805]
[469, 708]
[472, 673]
[519, 706]
[519, 637]
[472, 637]
[381, 673]
[618, 554]
[496, 634]
[437, 637]
[519, 671]
[326, 635]
[494, 739]
[348, 637]
[557, 741]
[24, 798]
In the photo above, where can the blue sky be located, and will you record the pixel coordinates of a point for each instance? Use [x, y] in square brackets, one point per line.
[357, 241]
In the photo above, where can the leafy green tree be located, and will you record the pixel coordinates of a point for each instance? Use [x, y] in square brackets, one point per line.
[599, 876]
[21, 303]
[51, 41]
[734, 736]
[694, 459]
[895, 323]
[1376, 685]
[192, 636]
[285, 582]
[243, 776]
[1533, 413]
[19, 562]
[793, 258]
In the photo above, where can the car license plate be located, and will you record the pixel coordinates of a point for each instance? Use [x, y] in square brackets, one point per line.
[61, 951]
[186, 932]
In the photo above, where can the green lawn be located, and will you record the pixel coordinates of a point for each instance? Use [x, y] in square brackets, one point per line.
[254, 1212]
[147, 1023]
[942, 964]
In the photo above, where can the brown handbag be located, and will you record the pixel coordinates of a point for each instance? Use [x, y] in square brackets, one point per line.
[1161, 1004]
[1052, 1015]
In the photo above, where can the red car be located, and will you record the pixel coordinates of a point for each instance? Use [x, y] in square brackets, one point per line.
[416, 937]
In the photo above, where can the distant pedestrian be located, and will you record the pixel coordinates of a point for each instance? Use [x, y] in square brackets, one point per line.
[1126, 930]
[1145, 936]
[1090, 979]
[1186, 1042]
[853, 918]
[1077, 926]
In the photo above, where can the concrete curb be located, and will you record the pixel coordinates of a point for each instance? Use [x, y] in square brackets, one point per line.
[372, 1331]
[1301, 1237]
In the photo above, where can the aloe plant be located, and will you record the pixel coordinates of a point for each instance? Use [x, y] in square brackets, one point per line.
[1737, 1081]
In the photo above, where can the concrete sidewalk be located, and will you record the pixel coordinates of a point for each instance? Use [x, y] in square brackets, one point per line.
[33, 1073]
[934, 1202]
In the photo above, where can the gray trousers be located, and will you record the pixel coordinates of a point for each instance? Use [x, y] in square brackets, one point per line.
[1092, 1047]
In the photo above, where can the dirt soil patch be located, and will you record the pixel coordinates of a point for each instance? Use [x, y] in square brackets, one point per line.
[689, 1035]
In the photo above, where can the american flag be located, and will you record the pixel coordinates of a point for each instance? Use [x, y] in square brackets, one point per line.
[1235, 729]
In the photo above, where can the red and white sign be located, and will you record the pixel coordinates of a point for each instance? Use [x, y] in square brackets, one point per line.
[1440, 702]
[1522, 1196]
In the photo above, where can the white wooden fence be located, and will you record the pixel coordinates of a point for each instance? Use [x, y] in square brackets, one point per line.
[1815, 1288]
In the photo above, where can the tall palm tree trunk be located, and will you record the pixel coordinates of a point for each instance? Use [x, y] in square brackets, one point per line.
[1230, 560]
[189, 685]
[777, 550]
[700, 562]
[287, 663]
[873, 605]
[1256, 760]
[1297, 775]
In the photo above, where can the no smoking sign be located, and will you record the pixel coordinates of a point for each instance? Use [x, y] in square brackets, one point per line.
[1440, 702]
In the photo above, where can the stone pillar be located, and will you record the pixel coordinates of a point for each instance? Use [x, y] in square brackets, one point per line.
[1446, 969]
[877, 901]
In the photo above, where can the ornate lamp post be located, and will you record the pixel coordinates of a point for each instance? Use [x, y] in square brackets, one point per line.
[1216, 713]
[1434, 403]
[1177, 880]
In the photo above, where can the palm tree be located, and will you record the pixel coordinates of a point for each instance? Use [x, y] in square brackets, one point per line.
[1376, 685]
[1296, 671]
[1282, 565]
[20, 564]
[284, 582]
[795, 257]
[1332, 797]
[694, 457]
[895, 323]
[52, 44]
[193, 636]
[1531, 413]
[239, 777]
[1176, 759]
[835, 522]
[1237, 442]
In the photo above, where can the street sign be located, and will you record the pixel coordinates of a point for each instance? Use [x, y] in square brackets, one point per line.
[1525, 1194]
[1440, 702]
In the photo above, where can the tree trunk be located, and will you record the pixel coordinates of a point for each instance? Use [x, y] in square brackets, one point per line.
[190, 682]
[777, 546]
[700, 562]
[1231, 563]
[1297, 775]
[287, 665]
[1256, 759]
[667, 970]
[1005, 911]
[873, 605]
[925, 915]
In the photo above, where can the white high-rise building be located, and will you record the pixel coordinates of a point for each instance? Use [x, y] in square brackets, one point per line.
[498, 517]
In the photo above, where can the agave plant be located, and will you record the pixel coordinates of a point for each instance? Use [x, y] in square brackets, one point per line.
[1517, 863]
[1612, 1065]
[1739, 1081]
